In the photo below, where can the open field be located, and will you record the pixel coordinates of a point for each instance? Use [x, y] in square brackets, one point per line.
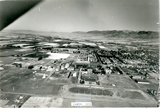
[37, 55]
[52, 44]
[23, 81]
[119, 81]
[111, 102]
[13, 100]
[131, 95]
[7, 60]
[43, 102]
[57, 55]
[11, 52]
[3, 103]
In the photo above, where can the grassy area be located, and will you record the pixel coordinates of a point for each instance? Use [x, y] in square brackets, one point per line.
[6, 60]
[37, 54]
[8, 96]
[10, 52]
[131, 95]
[24, 81]
[60, 81]
[91, 91]
[119, 81]
[48, 89]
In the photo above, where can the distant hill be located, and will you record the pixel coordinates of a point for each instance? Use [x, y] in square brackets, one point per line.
[93, 35]
[29, 32]
[125, 34]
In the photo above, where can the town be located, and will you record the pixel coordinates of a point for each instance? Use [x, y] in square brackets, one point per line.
[55, 72]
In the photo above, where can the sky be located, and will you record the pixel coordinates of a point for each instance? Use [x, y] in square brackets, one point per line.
[87, 15]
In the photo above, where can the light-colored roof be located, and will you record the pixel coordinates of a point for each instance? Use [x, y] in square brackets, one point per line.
[101, 46]
[82, 62]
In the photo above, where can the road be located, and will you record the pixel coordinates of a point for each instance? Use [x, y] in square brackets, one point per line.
[17, 93]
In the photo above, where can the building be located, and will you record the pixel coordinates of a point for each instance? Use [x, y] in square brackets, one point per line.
[67, 65]
[62, 66]
[1, 68]
[83, 71]
[87, 75]
[108, 71]
[140, 81]
[138, 77]
[71, 68]
[18, 64]
[74, 74]
[82, 64]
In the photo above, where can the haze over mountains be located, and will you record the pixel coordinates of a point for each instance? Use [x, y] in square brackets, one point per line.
[108, 33]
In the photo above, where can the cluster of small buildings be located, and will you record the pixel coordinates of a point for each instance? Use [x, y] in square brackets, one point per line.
[15, 102]
[86, 76]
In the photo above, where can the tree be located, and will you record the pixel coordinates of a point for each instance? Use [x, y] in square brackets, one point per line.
[82, 81]
[30, 67]
[40, 58]
[97, 82]
[103, 71]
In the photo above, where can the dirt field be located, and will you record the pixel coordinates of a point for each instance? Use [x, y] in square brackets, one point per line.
[43, 102]
[3, 102]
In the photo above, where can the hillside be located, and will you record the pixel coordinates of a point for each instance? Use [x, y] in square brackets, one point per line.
[124, 34]
[100, 36]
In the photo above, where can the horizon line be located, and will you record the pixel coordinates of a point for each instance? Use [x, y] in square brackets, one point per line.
[74, 31]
